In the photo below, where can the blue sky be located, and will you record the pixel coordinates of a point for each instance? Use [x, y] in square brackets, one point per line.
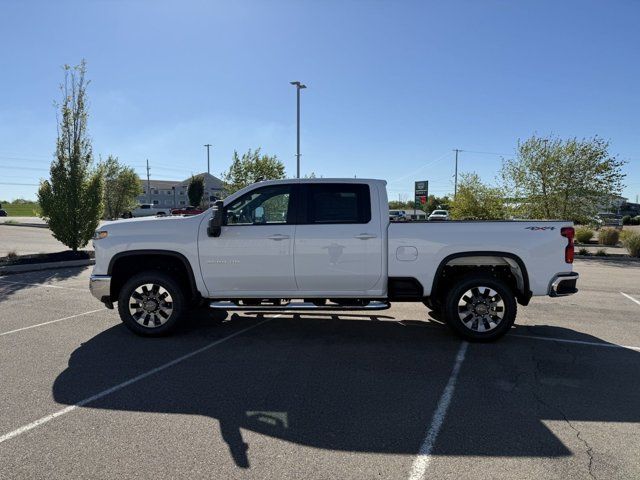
[394, 86]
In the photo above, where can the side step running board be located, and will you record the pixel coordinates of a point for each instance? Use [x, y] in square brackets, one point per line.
[226, 305]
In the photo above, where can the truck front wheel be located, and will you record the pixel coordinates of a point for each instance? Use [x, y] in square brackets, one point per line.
[480, 308]
[151, 304]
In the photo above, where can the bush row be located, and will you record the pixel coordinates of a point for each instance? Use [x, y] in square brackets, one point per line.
[608, 236]
[631, 241]
[629, 220]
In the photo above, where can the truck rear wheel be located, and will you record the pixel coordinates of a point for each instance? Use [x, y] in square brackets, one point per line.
[151, 304]
[480, 308]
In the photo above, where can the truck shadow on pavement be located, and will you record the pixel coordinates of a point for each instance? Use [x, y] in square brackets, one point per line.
[361, 386]
[12, 284]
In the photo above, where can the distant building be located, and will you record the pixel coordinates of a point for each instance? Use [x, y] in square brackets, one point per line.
[170, 193]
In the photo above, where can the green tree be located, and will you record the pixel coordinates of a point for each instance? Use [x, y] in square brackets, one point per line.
[568, 179]
[71, 200]
[476, 200]
[433, 203]
[250, 168]
[121, 187]
[195, 190]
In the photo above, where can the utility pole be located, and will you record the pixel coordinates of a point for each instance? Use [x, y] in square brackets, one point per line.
[455, 187]
[208, 163]
[299, 86]
[148, 183]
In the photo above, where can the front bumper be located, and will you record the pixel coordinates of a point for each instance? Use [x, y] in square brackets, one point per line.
[563, 284]
[100, 287]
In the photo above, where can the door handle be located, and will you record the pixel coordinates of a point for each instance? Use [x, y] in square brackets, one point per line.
[278, 236]
[365, 236]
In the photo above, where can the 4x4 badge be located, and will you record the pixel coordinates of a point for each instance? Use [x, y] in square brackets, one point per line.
[535, 229]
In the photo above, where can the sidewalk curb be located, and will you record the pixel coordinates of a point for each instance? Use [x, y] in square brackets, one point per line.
[33, 267]
[610, 257]
[21, 224]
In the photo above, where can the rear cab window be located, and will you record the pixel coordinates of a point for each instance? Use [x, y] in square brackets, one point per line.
[336, 203]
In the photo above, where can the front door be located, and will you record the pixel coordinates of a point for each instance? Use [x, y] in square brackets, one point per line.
[253, 256]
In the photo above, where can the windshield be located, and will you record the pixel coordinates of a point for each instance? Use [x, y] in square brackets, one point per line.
[439, 212]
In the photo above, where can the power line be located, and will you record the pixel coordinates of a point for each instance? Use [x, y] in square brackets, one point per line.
[20, 184]
[410, 174]
[25, 168]
[488, 153]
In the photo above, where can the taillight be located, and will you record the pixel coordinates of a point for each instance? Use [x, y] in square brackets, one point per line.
[568, 233]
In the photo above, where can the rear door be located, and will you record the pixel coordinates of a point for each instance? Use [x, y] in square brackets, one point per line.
[339, 240]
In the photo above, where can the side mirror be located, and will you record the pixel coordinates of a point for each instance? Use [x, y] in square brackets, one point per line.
[215, 222]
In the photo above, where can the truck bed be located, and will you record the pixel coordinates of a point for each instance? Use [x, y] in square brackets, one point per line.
[418, 249]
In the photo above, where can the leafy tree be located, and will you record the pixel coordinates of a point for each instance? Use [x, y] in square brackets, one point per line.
[433, 203]
[195, 190]
[121, 187]
[397, 205]
[71, 200]
[250, 168]
[568, 179]
[476, 200]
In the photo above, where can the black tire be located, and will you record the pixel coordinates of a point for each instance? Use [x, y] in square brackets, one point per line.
[167, 314]
[480, 308]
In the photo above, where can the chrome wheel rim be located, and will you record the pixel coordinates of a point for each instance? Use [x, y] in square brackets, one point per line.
[481, 309]
[151, 305]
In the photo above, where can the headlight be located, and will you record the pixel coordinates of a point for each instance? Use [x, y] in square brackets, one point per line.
[100, 234]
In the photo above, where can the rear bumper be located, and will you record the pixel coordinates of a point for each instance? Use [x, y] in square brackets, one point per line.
[100, 287]
[563, 284]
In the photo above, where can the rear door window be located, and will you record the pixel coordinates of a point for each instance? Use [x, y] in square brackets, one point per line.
[341, 203]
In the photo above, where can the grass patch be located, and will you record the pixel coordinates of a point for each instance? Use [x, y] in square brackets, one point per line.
[21, 209]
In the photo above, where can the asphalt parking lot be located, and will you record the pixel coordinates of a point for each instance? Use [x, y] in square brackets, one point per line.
[394, 395]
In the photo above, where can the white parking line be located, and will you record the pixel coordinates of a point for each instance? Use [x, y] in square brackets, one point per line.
[423, 459]
[51, 321]
[631, 298]
[578, 342]
[44, 285]
[120, 386]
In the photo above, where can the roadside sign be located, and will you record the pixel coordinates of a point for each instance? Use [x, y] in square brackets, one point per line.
[421, 193]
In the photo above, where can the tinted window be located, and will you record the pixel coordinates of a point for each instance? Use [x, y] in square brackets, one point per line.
[338, 203]
[266, 205]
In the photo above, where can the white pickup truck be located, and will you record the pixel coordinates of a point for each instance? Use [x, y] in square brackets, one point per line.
[327, 244]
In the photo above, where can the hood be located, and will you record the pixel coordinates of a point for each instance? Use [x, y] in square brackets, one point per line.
[152, 224]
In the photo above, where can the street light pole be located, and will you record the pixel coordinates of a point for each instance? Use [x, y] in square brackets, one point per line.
[208, 164]
[299, 86]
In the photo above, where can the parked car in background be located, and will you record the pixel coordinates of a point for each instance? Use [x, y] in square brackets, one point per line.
[188, 210]
[398, 216]
[439, 215]
[3, 213]
[147, 210]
